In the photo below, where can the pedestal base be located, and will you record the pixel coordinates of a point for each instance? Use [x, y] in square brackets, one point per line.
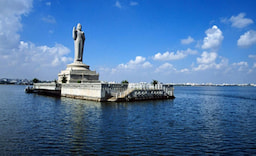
[78, 72]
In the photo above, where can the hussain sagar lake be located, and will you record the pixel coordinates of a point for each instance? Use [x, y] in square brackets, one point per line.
[199, 121]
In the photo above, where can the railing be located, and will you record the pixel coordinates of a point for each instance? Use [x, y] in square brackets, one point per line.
[157, 90]
[145, 86]
[119, 91]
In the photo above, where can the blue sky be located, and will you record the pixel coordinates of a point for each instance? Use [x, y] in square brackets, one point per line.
[175, 41]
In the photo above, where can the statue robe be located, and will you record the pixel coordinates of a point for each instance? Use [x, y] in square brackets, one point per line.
[79, 38]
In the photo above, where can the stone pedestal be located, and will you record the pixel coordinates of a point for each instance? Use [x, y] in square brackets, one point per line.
[78, 72]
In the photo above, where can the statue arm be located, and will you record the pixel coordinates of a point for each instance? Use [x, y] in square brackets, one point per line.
[83, 36]
[74, 33]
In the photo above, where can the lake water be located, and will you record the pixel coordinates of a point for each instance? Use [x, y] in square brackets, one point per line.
[200, 120]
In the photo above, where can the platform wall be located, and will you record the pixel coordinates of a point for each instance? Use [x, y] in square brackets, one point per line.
[89, 91]
[105, 91]
[46, 86]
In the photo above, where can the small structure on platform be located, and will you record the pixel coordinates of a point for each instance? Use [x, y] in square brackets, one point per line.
[78, 72]
[78, 81]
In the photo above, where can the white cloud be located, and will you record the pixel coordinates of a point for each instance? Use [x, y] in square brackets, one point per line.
[138, 68]
[207, 58]
[187, 40]
[139, 62]
[180, 54]
[44, 56]
[203, 67]
[138, 59]
[146, 65]
[132, 3]
[25, 59]
[223, 63]
[240, 21]
[208, 61]
[252, 56]
[247, 39]
[213, 38]
[15, 7]
[166, 67]
[10, 17]
[190, 52]
[241, 65]
[118, 4]
[36, 61]
[184, 70]
[254, 65]
[49, 19]
[169, 56]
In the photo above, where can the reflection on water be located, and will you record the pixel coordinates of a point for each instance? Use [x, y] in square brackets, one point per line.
[201, 120]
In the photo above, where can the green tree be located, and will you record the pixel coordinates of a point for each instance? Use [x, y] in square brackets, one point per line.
[124, 82]
[154, 82]
[64, 79]
[35, 80]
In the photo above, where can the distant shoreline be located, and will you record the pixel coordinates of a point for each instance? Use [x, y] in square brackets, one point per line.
[178, 85]
[10, 81]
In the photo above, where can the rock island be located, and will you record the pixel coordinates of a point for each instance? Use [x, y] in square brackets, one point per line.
[78, 81]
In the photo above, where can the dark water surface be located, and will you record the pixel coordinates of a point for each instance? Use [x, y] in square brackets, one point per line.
[201, 120]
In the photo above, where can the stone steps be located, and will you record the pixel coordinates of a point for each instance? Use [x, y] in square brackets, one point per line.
[122, 97]
[112, 99]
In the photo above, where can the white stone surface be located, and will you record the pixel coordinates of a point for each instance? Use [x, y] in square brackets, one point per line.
[46, 86]
[78, 73]
[79, 38]
[86, 91]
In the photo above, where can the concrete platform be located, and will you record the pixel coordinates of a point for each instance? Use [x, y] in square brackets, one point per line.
[106, 91]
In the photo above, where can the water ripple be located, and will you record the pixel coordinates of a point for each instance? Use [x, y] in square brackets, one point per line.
[200, 121]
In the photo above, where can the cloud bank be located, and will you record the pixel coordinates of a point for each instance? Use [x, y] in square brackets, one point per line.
[240, 21]
[187, 40]
[247, 39]
[25, 58]
[180, 54]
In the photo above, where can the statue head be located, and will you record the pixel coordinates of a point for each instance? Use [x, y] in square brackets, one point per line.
[79, 26]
